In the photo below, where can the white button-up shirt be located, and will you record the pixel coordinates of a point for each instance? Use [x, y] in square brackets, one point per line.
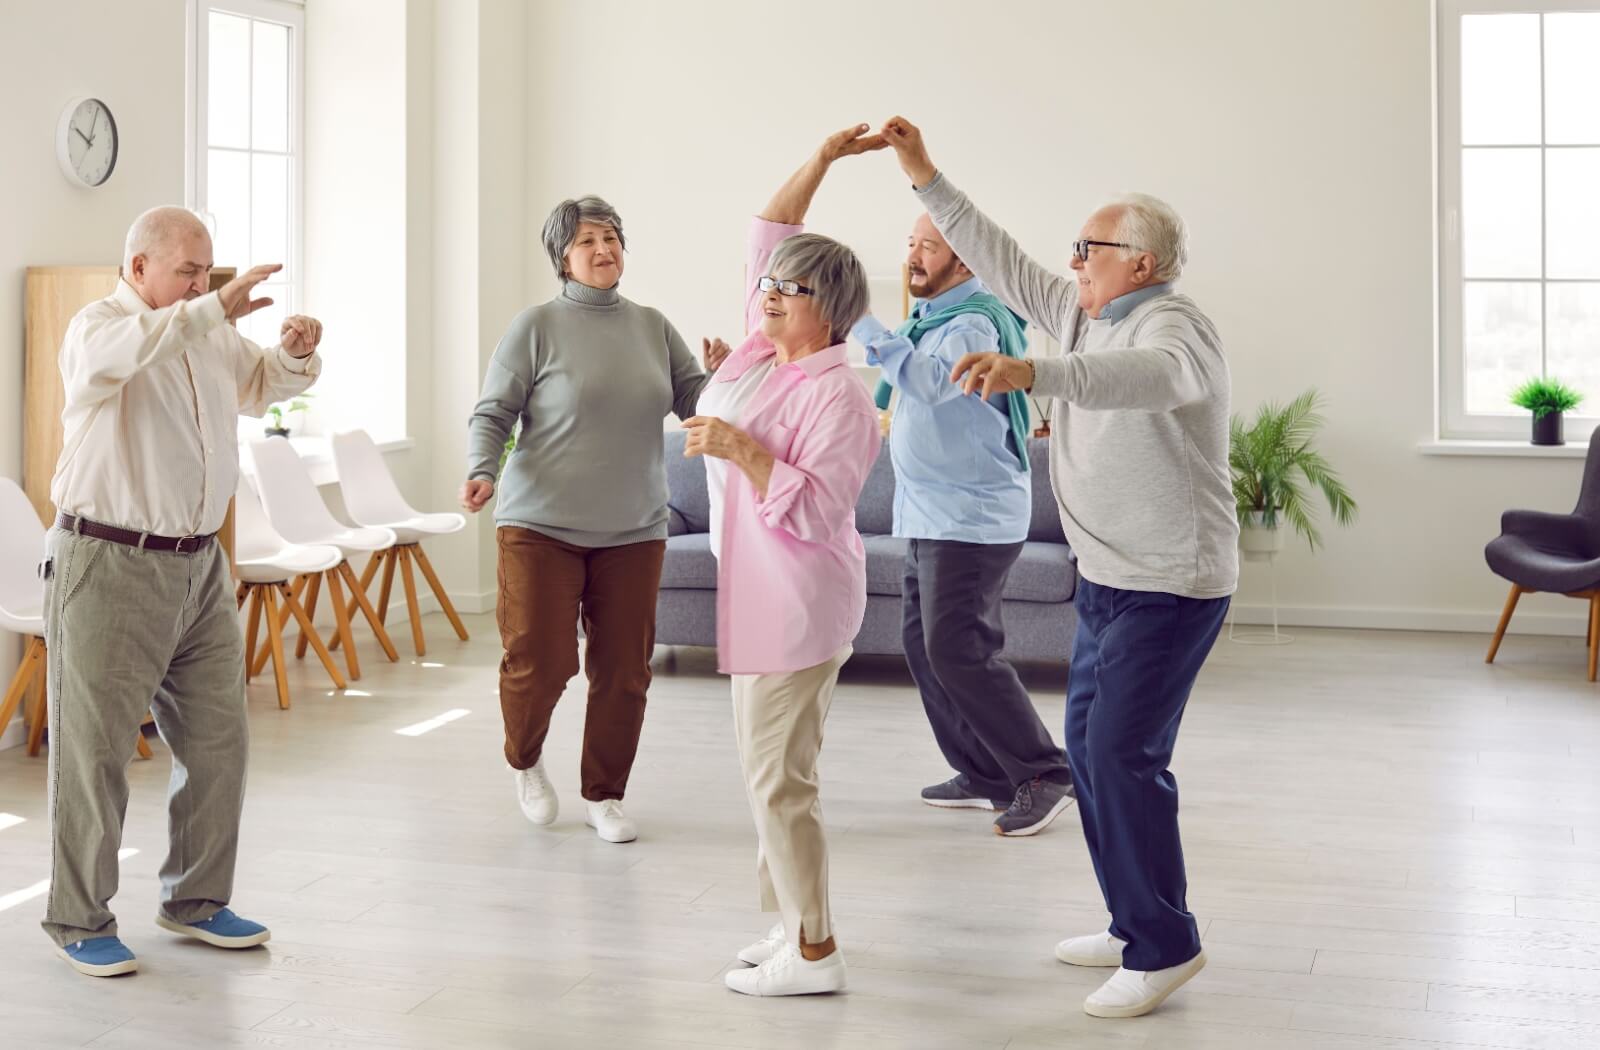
[152, 405]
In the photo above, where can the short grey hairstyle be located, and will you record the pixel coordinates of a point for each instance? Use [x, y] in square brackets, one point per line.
[1152, 225]
[156, 229]
[561, 228]
[831, 270]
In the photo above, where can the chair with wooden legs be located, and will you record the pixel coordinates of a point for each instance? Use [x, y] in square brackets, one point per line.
[299, 516]
[371, 497]
[266, 565]
[22, 612]
[1554, 553]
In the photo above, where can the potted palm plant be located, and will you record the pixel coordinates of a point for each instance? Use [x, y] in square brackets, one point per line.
[276, 413]
[1547, 399]
[1274, 466]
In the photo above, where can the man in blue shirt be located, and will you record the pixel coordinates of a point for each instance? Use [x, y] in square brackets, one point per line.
[963, 499]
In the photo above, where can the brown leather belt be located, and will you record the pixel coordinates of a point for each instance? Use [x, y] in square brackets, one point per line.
[127, 537]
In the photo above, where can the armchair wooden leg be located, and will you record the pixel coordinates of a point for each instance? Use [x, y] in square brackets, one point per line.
[275, 647]
[1505, 618]
[438, 591]
[336, 598]
[307, 630]
[1594, 636]
[20, 682]
[37, 721]
[409, 579]
[250, 633]
[313, 589]
[380, 559]
[389, 558]
[142, 746]
[367, 611]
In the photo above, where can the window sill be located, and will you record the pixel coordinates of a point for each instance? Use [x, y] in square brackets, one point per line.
[317, 454]
[1503, 449]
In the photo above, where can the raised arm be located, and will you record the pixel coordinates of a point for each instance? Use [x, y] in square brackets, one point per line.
[266, 376]
[1043, 297]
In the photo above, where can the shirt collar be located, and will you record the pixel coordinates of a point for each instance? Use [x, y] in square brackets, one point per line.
[129, 297]
[960, 293]
[813, 365]
[1123, 305]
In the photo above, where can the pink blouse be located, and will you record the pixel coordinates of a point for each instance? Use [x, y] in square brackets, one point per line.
[792, 572]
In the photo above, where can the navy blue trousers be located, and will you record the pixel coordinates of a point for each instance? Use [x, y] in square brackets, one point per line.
[1134, 661]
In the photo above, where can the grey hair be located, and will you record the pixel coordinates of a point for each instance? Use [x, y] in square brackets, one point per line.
[832, 271]
[156, 229]
[1152, 225]
[561, 228]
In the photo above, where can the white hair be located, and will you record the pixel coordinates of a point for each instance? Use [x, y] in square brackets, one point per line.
[1152, 225]
[156, 229]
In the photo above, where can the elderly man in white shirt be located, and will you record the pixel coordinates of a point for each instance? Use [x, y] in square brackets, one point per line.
[139, 606]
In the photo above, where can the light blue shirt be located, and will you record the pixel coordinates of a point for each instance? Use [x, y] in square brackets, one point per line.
[956, 470]
[1120, 307]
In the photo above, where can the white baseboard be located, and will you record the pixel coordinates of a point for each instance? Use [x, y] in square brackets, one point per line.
[1412, 619]
[14, 735]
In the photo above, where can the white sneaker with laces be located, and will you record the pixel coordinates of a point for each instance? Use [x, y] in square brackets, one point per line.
[1134, 993]
[790, 973]
[765, 948]
[609, 822]
[1097, 949]
[536, 795]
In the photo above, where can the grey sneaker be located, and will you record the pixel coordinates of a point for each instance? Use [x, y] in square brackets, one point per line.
[958, 793]
[1038, 802]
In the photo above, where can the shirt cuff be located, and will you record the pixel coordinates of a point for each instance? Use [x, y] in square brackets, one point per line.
[309, 365]
[207, 313]
[939, 193]
[867, 329]
[1050, 377]
[783, 487]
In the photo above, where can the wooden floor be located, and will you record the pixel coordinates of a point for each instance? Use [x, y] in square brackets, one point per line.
[1390, 845]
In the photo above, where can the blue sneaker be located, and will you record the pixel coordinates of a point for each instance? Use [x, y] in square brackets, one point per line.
[224, 929]
[99, 957]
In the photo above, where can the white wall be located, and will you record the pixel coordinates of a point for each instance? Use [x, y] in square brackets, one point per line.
[133, 60]
[1294, 135]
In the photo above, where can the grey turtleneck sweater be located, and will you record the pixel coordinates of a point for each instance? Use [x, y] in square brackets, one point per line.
[591, 375]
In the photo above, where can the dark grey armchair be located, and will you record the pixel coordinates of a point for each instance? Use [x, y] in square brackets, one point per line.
[1559, 553]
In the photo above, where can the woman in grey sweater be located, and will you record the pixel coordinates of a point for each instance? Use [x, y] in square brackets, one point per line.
[582, 513]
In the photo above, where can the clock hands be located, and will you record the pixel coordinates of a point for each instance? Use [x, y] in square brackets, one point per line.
[87, 139]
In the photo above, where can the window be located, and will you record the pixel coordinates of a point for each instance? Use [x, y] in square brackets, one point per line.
[245, 134]
[1519, 200]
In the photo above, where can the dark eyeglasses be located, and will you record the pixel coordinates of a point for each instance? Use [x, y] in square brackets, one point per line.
[767, 284]
[1080, 249]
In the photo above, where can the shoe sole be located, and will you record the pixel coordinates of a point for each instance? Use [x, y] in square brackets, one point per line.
[1192, 967]
[115, 969]
[215, 940]
[962, 803]
[607, 838]
[1056, 810]
[545, 822]
[778, 995]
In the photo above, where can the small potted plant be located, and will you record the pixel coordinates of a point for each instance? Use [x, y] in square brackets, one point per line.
[1272, 462]
[276, 413]
[1547, 399]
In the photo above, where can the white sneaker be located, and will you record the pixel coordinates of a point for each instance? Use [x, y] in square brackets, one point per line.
[765, 948]
[1134, 993]
[536, 795]
[1097, 949]
[609, 822]
[790, 973]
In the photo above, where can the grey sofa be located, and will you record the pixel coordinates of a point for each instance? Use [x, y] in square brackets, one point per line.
[1039, 618]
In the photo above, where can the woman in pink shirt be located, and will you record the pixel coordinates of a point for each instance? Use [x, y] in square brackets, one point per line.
[790, 433]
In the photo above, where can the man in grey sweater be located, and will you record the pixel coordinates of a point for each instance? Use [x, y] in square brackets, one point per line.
[1139, 465]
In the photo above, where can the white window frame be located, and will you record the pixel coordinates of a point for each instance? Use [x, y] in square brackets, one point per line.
[1453, 420]
[290, 13]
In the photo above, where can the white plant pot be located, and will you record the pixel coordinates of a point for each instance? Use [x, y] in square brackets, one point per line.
[1256, 538]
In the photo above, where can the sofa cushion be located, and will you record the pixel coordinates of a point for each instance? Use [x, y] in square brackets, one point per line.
[686, 488]
[1044, 523]
[689, 564]
[886, 564]
[875, 508]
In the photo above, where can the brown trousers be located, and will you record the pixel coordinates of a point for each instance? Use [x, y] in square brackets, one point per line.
[545, 586]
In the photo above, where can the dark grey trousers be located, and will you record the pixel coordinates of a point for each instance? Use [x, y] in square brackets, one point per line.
[981, 715]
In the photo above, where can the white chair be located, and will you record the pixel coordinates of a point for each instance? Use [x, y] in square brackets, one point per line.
[298, 514]
[22, 610]
[265, 565]
[372, 498]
